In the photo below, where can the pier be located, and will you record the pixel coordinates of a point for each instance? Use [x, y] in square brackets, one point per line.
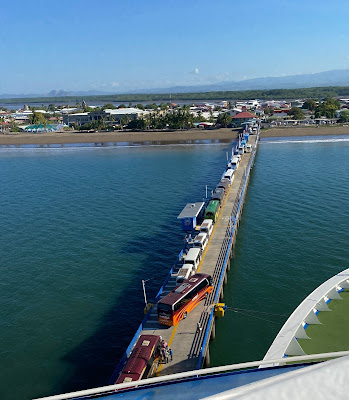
[190, 338]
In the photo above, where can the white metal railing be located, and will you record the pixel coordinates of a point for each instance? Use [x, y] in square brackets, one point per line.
[104, 390]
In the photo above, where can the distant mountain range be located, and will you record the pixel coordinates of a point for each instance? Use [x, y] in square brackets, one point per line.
[328, 78]
[54, 93]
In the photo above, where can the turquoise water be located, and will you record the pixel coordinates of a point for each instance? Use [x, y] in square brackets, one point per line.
[79, 230]
[293, 236]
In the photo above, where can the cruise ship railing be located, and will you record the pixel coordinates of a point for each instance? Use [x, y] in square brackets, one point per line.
[111, 389]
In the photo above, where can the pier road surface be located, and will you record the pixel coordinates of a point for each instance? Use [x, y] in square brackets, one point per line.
[186, 338]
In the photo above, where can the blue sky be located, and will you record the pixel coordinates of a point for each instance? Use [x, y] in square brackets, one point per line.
[126, 45]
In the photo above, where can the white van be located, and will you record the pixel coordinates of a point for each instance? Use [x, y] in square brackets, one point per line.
[201, 240]
[207, 227]
[248, 148]
[235, 162]
[184, 273]
[229, 174]
[193, 258]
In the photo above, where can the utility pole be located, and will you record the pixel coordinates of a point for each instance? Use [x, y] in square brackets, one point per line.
[144, 293]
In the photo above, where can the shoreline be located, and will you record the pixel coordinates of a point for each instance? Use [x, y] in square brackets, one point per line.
[122, 138]
[305, 131]
[101, 138]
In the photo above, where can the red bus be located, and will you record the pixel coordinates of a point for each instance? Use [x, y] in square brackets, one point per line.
[143, 361]
[176, 305]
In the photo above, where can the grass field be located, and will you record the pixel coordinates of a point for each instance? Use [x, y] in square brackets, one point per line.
[333, 333]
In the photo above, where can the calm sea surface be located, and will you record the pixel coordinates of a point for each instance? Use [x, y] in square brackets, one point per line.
[293, 236]
[81, 228]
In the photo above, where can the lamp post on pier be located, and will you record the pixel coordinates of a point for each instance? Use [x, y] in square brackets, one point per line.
[144, 293]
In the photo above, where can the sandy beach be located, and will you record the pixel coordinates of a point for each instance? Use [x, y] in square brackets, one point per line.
[309, 131]
[224, 135]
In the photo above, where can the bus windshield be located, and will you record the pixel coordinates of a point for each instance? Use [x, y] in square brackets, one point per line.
[167, 308]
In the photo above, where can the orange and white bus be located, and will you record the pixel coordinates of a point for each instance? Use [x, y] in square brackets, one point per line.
[176, 305]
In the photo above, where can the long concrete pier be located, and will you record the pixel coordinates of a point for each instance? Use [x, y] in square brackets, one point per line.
[189, 339]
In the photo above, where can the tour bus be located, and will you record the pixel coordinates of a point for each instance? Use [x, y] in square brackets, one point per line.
[177, 304]
[193, 257]
[207, 227]
[143, 361]
[212, 210]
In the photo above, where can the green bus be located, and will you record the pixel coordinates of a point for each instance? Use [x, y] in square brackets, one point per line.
[212, 210]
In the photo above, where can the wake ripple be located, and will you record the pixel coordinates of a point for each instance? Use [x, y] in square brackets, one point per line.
[306, 139]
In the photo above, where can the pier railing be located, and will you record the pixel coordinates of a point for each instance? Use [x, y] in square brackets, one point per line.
[223, 258]
[205, 323]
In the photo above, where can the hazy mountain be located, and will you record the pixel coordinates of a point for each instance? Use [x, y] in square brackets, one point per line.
[62, 93]
[54, 93]
[18, 96]
[328, 78]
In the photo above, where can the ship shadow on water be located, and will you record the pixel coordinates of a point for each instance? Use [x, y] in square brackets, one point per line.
[94, 360]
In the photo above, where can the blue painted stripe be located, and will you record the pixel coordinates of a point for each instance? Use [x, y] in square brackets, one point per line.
[119, 367]
[224, 265]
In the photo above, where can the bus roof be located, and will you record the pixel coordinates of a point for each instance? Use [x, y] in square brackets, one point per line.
[181, 290]
[218, 194]
[207, 223]
[224, 183]
[212, 205]
[141, 353]
[229, 173]
[192, 254]
[200, 236]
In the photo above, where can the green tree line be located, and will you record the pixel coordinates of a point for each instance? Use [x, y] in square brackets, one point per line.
[314, 93]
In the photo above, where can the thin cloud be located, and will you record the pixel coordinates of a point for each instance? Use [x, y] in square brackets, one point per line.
[195, 71]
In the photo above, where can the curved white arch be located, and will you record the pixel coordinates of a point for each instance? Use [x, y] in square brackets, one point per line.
[305, 314]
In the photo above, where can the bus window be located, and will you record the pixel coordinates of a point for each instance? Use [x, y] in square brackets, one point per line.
[180, 301]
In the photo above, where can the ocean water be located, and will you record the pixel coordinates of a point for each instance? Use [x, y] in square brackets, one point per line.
[80, 228]
[293, 236]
